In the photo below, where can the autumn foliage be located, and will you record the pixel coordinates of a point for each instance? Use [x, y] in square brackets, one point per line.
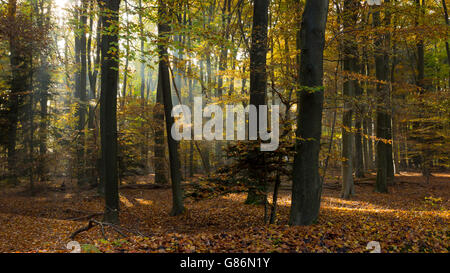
[414, 218]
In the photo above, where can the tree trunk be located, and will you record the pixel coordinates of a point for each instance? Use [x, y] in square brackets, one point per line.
[381, 123]
[175, 174]
[359, 155]
[307, 185]
[108, 109]
[222, 67]
[44, 81]
[144, 145]
[127, 57]
[447, 47]
[423, 158]
[191, 86]
[159, 148]
[19, 85]
[258, 77]
[350, 85]
[92, 74]
[394, 128]
[80, 88]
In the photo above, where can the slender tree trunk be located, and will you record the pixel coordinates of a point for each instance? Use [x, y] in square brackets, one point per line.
[191, 101]
[204, 152]
[92, 74]
[424, 157]
[369, 124]
[30, 112]
[258, 78]
[223, 58]
[80, 89]
[388, 122]
[350, 85]
[30, 115]
[19, 85]
[144, 147]
[359, 156]
[159, 148]
[394, 129]
[175, 174]
[142, 64]
[381, 126]
[44, 79]
[127, 57]
[447, 47]
[365, 109]
[333, 123]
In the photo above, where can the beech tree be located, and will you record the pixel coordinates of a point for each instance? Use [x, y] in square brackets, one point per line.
[350, 65]
[258, 74]
[164, 85]
[307, 184]
[80, 85]
[19, 60]
[108, 107]
[383, 122]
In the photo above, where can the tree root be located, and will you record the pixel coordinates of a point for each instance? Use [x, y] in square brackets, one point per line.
[118, 229]
[92, 223]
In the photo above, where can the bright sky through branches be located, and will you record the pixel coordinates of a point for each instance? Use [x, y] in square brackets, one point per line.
[61, 6]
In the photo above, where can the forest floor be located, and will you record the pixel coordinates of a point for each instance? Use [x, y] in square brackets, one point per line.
[413, 217]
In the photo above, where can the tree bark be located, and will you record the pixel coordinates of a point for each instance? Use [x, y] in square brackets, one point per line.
[19, 61]
[368, 120]
[381, 123]
[92, 75]
[175, 174]
[159, 148]
[81, 91]
[307, 185]
[127, 57]
[447, 47]
[350, 85]
[223, 58]
[44, 81]
[258, 76]
[424, 157]
[108, 108]
[144, 145]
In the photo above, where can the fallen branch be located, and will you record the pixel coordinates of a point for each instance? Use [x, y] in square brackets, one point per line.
[86, 228]
[92, 223]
